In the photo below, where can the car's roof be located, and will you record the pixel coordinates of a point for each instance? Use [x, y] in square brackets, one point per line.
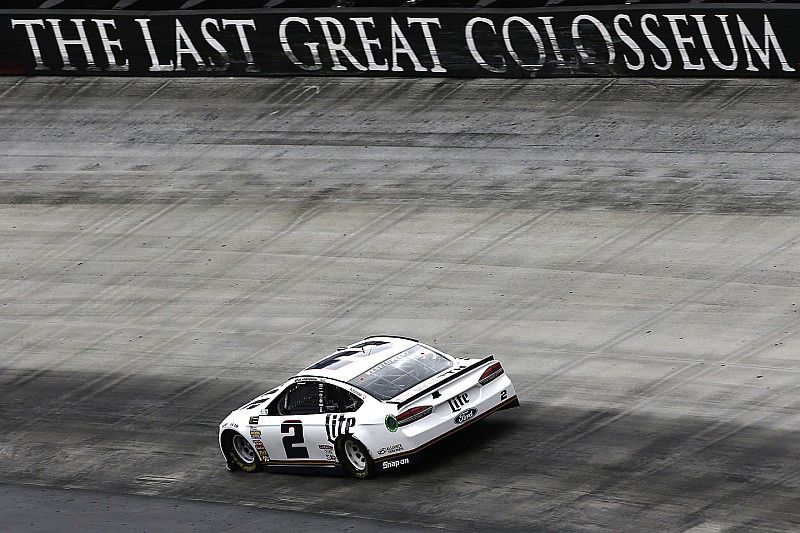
[359, 357]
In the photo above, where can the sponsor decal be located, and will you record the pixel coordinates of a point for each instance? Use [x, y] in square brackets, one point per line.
[356, 392]
[395, 464]
[503, 395]
[330, 457]
[230, 424]
[326, 447]
[463, 416]
[391, 423]
[337, 425]
[394, 448]
[254, 419]
[264, 410]
[458, 401]
[261, 450]
[255, 433]
[392, 360]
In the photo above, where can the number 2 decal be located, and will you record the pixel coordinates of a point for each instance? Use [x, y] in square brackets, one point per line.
[296, 437]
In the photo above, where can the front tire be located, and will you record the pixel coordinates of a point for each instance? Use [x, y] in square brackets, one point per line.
[355, 458]
[241, 452]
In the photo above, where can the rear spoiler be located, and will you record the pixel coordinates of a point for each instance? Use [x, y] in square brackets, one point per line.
[446, 380]
[391, 337]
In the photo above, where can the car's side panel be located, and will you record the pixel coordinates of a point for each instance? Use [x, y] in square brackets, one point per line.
[301, 437]
[306, 439]
[270, 429]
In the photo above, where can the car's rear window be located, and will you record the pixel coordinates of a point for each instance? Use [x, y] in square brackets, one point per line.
[401, 372]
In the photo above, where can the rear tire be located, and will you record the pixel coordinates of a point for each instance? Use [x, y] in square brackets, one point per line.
[354, 457]
[241, 453]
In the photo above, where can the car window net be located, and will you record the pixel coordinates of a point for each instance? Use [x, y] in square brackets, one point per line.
[338, 400]
[401, 372]
[305, 399]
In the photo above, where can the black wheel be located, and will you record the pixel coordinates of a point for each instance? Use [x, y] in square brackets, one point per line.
[354, 457]
[241, 452]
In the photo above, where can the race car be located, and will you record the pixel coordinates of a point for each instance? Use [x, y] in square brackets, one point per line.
[372, 406]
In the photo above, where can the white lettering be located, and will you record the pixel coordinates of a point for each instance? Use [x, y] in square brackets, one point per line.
[155, 64]
[536, 37]
[603, 31]
[287, 49]
[748, 41]
[403, 48]
[214, 43]
[682, 41]
[336, 47]
[368, 43]
[634, 47]
[29, 24]
[473, 49]
[394, 464]
[551, 35]
[81, 41]
[710, 48]
[426, 31]
[183, 46]
[657, 42]
[245, 44]
[109, 45]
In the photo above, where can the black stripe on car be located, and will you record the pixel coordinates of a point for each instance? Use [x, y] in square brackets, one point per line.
[443, 382]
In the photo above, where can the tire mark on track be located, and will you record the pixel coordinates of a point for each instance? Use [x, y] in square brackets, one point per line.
[469, 259]
[656, 392]
[111, 290]
[412, 263]
[632, 477]
[515, 304]
[129, 367]
[316, 322]
[648, 321]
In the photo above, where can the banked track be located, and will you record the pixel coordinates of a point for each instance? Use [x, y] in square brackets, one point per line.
[628, 249]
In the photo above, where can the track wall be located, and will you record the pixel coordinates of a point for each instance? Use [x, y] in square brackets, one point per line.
[715, 40]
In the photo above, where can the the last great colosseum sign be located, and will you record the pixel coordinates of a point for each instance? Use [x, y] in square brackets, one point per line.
[706, 41]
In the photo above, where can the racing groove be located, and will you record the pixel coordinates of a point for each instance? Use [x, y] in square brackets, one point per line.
[627, 249]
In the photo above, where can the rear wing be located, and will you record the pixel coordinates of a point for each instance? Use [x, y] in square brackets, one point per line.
[447, 379]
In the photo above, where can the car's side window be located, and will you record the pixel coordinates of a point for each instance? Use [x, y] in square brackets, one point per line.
[303, 398]
[338, 400]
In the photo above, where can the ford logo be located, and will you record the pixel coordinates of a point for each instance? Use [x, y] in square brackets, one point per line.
[463, 416]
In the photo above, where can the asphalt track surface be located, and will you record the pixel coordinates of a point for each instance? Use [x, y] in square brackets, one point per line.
[628, 250]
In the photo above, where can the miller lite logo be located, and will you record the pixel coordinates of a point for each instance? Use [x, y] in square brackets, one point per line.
[336, 425]
[457, 401]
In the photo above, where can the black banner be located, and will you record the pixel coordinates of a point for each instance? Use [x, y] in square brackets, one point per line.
[713, 40]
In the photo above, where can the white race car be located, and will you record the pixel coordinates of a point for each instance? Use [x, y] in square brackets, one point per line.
[372, 406]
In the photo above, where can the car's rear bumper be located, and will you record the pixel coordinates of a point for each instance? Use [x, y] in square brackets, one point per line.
[396, 460]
